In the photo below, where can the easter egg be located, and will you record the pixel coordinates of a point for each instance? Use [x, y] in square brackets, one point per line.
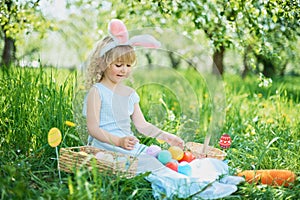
[164, 156]
[100, 155]
[187, 157]
[82, 153]
[104, 156]
[54, 137]
[160, 141]
[153, 150]
[122, 162]
[185, 169]
[225, 141]
[173, 166]
[173, 160]
[177, 152]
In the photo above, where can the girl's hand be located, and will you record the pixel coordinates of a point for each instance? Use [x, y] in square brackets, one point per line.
[174, 140]
[128, 142]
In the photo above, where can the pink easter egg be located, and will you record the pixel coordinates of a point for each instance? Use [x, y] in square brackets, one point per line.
[153, 150]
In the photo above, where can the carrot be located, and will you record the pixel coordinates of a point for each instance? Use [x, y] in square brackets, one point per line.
[272, 177]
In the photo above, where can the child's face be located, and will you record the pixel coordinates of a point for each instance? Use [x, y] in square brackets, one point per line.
[117, 71]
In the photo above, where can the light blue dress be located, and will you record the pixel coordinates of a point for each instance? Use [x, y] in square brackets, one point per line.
[115, 118]
[205, 181]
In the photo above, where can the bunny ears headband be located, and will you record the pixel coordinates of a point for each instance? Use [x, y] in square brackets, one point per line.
[119, 34]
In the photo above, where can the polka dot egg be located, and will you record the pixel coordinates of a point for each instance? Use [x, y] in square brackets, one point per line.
[225, 141]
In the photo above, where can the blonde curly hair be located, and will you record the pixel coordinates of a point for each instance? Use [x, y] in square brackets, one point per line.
[96, 65]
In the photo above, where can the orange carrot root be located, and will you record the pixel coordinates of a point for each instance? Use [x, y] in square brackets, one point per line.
[272, 177]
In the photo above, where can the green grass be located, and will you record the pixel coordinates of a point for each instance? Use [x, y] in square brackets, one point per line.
[264, 125]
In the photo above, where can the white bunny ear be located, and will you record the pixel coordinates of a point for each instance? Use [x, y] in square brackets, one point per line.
[119, 34]
[118, 31]
[147, 41]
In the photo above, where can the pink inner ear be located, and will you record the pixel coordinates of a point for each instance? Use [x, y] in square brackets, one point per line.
[118, 30]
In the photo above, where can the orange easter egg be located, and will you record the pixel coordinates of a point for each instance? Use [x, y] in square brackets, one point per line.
[187, 157]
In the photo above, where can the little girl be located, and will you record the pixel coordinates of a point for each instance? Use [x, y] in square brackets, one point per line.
[110, 107]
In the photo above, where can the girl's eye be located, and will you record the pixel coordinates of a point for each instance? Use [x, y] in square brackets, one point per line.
[120, 65]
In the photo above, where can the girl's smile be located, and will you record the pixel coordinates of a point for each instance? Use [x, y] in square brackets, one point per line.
[117, 72]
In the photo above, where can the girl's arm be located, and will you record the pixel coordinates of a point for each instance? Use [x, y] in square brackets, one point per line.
[93, 121]
[150, 130]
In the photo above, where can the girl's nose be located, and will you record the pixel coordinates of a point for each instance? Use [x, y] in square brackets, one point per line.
[123, 68]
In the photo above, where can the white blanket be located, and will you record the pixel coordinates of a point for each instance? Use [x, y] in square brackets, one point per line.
[210, 179]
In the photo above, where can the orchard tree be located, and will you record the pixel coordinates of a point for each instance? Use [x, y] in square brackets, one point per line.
[268, 29]
[136, 15]
[86, 23]
[209, 16]
[18, 18]
[270, 32]
[89, 23]
[263, 30]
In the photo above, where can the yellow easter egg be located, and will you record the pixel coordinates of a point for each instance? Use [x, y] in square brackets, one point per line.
[54, 137]
[160, 141]
[177, 152]
[83, 153]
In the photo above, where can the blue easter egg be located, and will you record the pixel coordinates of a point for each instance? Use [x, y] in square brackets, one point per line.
[185, 169]
[164, 156]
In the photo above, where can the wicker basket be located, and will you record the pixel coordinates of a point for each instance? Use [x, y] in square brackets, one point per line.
[84, 156]
[196, 149]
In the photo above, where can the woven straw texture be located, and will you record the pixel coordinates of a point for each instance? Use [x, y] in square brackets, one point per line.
[197, 150]
[85, 156]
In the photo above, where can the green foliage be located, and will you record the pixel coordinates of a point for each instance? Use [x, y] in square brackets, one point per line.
[261, 119]
[265, 31]
[31, 96]
[271, 33]
[105, 185]
[265, 27]
[18, 19]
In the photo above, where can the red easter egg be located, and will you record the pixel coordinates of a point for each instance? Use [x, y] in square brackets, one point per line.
[225, 141]
[187, 156]
[173, 166]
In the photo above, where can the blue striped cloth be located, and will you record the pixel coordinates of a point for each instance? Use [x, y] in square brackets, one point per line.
[115, 118]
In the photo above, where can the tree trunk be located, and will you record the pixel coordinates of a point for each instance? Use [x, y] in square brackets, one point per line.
[246, 67]
[269, 67]
[9, 52]
[218, 61]
[149, 59]
[174, 61]
[282, 71]
[245, 62]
